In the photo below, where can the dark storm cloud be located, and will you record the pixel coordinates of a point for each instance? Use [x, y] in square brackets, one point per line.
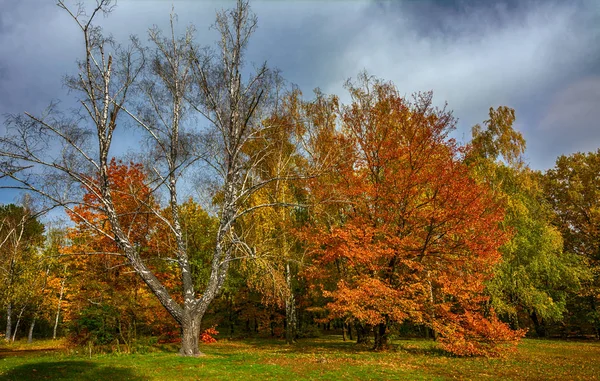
[34, 55]
[534, 56]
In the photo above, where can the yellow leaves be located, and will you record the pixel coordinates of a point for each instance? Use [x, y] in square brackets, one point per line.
[499, 138]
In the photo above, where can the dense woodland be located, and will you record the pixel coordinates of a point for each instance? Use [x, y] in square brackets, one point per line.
[364, 219]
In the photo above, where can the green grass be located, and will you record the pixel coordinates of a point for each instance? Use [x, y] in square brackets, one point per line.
[312, 359]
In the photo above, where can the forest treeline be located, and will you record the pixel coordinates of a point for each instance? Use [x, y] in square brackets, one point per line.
[363, 218]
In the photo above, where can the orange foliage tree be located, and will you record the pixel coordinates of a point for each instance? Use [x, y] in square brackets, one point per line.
[413, 237]
[111, 300]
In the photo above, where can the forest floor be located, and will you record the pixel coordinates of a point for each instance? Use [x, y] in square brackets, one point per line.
[327, 358]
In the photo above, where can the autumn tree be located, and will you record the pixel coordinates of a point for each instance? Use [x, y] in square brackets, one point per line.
[572, 188]
[497, 139]
[210, 84]
[56, 240]
[109, 300]
[21, 235]
[66, 158]
[535, 276]
[38, 283]
[273, 258]
[416, 236]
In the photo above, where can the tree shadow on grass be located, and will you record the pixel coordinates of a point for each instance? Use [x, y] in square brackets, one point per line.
[310, 345]
[68, 370]
[334, 344]
[328, 345]
[431, 351]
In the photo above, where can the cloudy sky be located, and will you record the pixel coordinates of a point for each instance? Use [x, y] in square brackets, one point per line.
[540, 57]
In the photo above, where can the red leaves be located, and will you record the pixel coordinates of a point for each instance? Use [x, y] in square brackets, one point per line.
[207, 335]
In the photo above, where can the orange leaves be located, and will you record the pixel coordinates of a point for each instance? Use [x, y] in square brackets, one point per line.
[102, 279]
[472, 334]
[207, 335]
[132, 200]
[413, 234]
[368, 300]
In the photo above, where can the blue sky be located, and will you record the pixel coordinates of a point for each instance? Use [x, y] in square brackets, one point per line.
[540, 57]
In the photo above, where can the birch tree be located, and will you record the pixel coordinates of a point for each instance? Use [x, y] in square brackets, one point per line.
[209, 83]
[20, 236]
[63, 158]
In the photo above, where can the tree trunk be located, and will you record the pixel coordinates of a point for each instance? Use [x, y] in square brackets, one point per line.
[539, 324]
[190, 337]
[290, 308]
[14, 334]
[432, 301]
[344, 331]
[381, 337]
[433, 332]
[60, 297]
[36, 305]
[514, 321]
[30, 334]
[231, 315]
[594, 307]
[350, 332]
[8, 322]
[362, 334]
[290, 319]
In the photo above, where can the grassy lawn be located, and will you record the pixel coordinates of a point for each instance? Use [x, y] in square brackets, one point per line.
[311, 359]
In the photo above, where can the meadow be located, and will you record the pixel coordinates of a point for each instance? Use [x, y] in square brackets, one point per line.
[327, 358]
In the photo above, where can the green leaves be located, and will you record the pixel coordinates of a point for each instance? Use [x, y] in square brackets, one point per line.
[572, 188]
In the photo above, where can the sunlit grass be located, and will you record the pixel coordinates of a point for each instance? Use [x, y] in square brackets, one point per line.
[323, 359]
[36, 345]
